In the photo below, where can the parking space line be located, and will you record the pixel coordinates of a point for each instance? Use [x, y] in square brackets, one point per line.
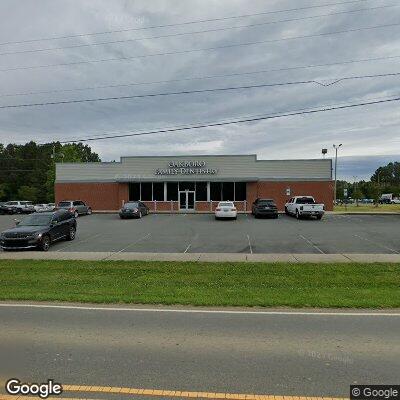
[78, 242]
[188, 247]
[377, 244]
[312, 244]
[129, 245]
[250, 248]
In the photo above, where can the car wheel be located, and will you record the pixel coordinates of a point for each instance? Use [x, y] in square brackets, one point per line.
[71, 233]
[319, 216]
[76, 214]
[89, 211]
[276, 216]
[216, 218]
[45, 245]
[297, 214]
[286, 211]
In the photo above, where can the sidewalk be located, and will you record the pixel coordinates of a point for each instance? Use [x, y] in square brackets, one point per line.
[203, 257]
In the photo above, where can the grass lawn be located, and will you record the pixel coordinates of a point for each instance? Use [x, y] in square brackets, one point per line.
[369, 208]
[206, 284]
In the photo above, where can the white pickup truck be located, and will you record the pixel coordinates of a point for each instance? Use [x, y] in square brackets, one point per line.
[304, 206]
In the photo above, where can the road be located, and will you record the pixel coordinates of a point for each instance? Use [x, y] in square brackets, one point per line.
[200, 233]
[280, 353]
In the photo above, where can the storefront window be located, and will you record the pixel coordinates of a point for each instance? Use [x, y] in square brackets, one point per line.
[158, 191]
[147, 191]
[228, 191]
[186, 186]
[240, 191]
[215, 191]
[201, 191]
[134, 191]
[172, 191]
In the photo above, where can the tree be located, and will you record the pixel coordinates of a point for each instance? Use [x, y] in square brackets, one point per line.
[28, 193]
[3, 191]
[32, 166]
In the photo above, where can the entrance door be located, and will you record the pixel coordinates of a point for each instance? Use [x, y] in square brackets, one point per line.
[186, 200]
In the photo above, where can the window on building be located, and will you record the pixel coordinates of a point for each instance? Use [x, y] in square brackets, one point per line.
[201, 191]
[186, 185]
[134, 191]
[228, 191]
[215, 191]
[240, 191]
[158, 191]
[172, 191]
[147, 191]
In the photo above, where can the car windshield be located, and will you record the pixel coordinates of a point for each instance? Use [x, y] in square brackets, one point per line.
[266, 202]
[64, 204]
[36, 220]
[131, 205]
[305, 200]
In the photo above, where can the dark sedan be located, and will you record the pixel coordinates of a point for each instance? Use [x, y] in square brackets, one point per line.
[264, 208]
[133, 209]
[39, 231]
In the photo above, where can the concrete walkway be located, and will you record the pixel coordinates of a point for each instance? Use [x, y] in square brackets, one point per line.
[202, 257]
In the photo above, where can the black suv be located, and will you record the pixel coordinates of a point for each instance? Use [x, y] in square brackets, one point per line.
[39, 230]
[264, 208]
[133, 209]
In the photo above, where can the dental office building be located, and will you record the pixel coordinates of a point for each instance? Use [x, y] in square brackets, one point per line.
[193, 183]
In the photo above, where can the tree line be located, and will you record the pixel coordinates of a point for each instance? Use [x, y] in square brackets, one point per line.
[27, 171]
[385, 179]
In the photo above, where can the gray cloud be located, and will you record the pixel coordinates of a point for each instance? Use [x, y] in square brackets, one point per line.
[364, 132]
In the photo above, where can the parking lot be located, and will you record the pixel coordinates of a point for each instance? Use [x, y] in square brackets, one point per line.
[200, 233]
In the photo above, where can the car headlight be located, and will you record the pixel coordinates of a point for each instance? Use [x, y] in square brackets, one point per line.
[38, 235]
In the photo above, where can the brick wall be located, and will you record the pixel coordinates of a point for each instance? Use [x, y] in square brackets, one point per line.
[99, 196]
[321, 191]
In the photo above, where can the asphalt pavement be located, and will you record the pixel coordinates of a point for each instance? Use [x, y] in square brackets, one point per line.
[268, 352]
[200, 233]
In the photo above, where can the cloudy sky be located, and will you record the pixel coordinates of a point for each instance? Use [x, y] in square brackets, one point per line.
[370, 135]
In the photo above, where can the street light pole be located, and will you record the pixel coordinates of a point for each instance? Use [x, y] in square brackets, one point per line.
[336, 147]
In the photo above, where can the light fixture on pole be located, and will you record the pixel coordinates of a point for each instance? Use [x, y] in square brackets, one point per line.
[336, 147]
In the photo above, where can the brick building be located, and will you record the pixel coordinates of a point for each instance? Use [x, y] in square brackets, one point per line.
[193, 183]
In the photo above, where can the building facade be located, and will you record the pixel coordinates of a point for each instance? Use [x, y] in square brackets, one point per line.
[193, 183]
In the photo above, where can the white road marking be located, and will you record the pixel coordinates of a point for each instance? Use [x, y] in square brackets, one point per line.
[202, 311]
[129, 245]
[188, 247]
[377, 244]
[312, 244]
[248, 239]
[79, 241]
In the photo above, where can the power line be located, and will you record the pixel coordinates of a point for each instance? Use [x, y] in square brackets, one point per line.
[288, 114]
[202, 49]
[205, 77]
[180, 23]
[230, 118]
[183, 92]
[192, 32]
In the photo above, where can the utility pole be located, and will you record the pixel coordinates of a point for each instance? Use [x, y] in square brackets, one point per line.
[336, 147]
[355, 189]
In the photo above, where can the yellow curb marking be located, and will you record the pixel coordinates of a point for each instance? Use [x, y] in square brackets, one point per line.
[164, 393]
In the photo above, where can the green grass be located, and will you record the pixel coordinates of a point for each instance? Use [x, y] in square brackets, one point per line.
[202, 284]
[369, 208]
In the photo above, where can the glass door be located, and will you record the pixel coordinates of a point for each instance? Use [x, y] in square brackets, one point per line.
[190, 200]
[186, 200]
[182, 201]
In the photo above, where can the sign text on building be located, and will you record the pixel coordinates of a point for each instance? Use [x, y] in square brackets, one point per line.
[186, 167]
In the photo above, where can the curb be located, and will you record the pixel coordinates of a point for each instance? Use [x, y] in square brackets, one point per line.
[204, 257]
